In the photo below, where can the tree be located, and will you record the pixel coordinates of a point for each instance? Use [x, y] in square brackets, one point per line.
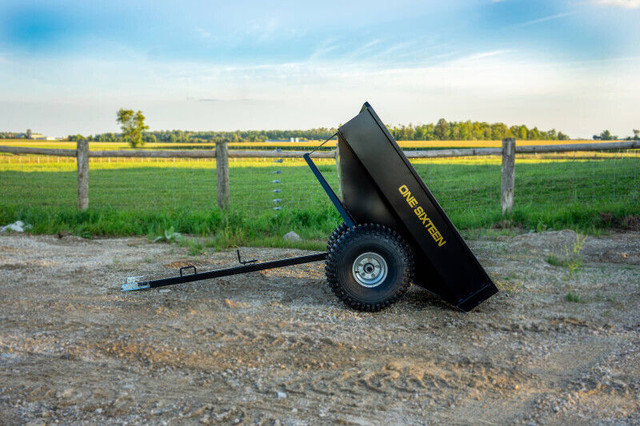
[607, 136]
[466, 133]
[28, 133]
[636, 134]
[455, 133]
[132, 125]
[523, 132]
[500, 131]
[442, 129]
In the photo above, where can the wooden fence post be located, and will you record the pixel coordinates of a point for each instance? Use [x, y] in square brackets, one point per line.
[222, 171]
[508, 174]
[82, 158]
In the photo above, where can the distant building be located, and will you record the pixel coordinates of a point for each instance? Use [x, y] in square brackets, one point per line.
[41, 137]
[294, 139]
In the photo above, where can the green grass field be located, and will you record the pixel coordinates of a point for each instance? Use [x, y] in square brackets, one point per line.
[145, 198]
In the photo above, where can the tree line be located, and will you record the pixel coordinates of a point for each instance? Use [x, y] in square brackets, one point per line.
[182, 136]
[607, 136]
[472, 130]
[442, 130]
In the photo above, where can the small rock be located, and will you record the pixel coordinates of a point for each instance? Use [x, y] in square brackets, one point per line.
[292, 236]
[67, 393]
[281, 395]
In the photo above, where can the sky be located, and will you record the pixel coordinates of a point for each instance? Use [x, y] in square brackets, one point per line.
[66, 67]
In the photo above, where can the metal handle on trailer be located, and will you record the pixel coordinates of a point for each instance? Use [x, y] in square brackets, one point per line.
[332, 195]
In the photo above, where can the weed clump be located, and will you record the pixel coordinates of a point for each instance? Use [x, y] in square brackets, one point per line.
[572, 258]
[573, 298]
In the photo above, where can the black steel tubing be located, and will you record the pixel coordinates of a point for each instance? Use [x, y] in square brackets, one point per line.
[327, 188]
[235, 270]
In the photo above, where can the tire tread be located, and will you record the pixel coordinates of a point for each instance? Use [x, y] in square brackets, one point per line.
[382, 232]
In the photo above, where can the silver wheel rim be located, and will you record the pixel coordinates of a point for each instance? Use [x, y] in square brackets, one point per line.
[369, 269]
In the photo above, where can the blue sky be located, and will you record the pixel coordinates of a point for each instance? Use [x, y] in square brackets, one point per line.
[67, 66]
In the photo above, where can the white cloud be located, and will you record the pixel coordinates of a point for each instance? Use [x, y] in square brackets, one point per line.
[325, 47]
[366, 48]
[579, 98]
[545, 19]
[627, 4]
[265, 29]
[203, 33]
[488, 54]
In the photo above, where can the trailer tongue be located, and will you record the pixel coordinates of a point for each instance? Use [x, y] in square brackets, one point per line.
[394, 231]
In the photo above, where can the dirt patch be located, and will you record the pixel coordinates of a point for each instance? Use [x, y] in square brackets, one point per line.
[277, 347]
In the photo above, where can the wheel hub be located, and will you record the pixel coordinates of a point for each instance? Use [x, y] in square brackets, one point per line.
[369, 269]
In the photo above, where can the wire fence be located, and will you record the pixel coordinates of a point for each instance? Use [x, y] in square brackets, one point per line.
[468, 188]
[258, 184]
[546, 185]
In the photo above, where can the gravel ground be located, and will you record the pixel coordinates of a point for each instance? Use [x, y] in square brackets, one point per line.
[277, 347]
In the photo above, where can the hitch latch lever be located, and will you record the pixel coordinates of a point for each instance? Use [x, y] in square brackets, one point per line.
[244, 262]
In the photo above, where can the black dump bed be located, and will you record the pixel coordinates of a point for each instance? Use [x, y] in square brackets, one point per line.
[379, 185]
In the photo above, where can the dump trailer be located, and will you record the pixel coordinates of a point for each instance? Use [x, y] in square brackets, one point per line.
[394, 232]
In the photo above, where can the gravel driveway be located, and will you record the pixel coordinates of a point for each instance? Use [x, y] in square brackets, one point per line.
[277, 347]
